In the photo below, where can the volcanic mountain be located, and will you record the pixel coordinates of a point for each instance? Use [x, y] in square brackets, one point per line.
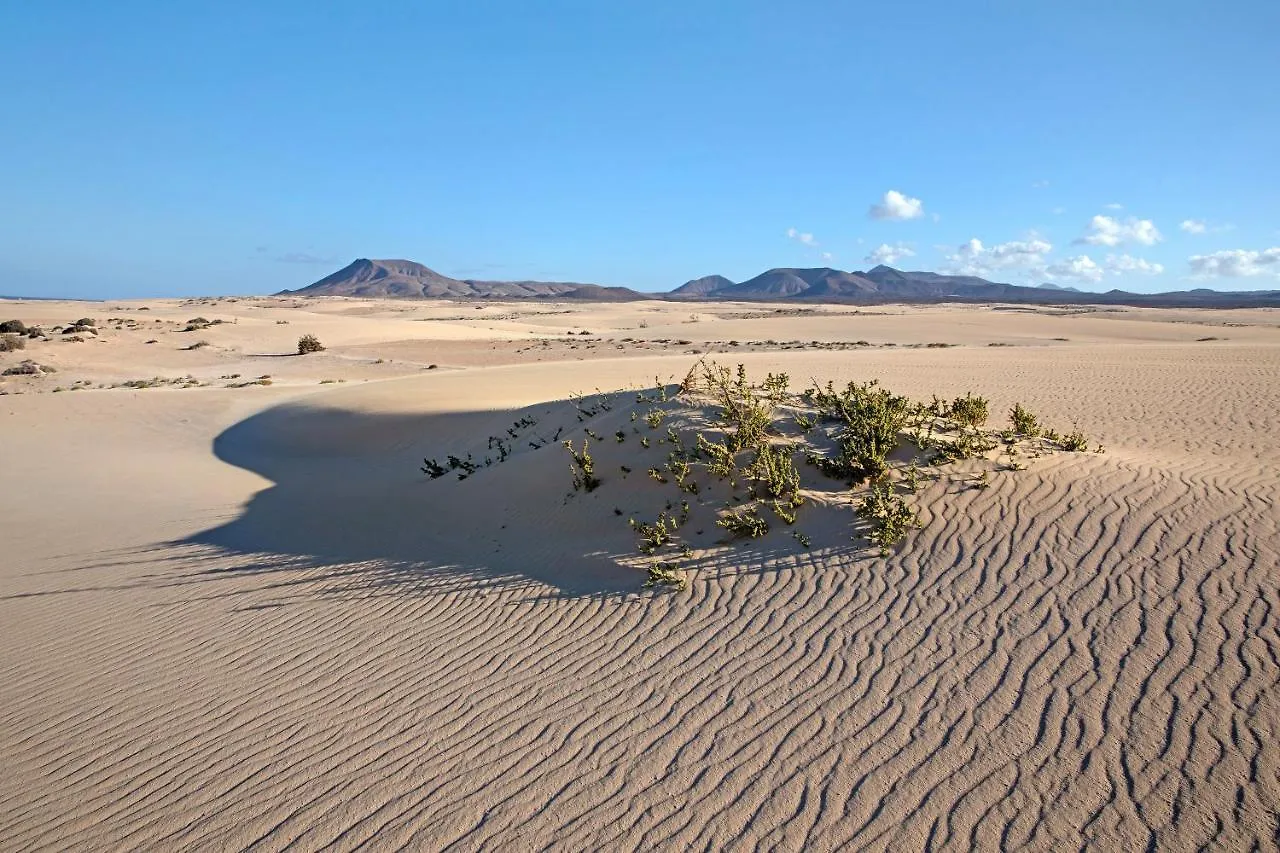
[400, 278]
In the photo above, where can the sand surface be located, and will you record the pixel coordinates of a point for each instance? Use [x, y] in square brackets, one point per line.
[238, 615]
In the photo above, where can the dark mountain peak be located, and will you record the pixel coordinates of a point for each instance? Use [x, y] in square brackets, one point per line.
[376, 279]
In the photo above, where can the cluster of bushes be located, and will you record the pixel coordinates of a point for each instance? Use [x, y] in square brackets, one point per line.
[756, 438]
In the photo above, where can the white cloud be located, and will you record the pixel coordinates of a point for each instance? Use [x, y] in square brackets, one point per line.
[1122, 264]
[1236, 263]
[1108, 231]
[973, 258]
[1058, 211]
[895, 205]
[886, 254]
[1115, 205]
[1200, 226]
[827, 256]
[1039, 185]
[1079, 268]
[802, 237]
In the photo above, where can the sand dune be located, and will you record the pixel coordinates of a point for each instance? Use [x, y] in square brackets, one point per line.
[242, 617]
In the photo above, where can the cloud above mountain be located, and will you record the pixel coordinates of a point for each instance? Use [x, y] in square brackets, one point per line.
[1236, 263]
[889, 255]
[1109, 231]
[897, 206]
[975, 258]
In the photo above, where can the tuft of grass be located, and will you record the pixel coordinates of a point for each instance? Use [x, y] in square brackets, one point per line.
[12, 343]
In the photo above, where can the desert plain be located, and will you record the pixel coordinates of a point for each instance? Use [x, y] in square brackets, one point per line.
[237, 614]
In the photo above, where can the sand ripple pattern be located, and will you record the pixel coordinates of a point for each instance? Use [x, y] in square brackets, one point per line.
[1073, 658]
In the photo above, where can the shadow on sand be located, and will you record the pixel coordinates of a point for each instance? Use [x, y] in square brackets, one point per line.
[348, 497]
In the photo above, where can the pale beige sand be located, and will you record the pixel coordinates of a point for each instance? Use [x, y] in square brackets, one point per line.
[241, 617]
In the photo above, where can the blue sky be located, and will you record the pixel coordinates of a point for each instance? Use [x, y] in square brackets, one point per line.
[180, 148]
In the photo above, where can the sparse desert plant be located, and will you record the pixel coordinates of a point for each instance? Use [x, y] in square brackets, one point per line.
[775, 474]
[653, 535]
[12, 343]
[744, 522]
[888, 515]
[583, 467]
[872, 419]
[1024, 423]
[1075, 441]
[309, 344]
[13, 327]
[969, 411]
[28, 368]
[197, 345]
[665, 573]
[86, 321]
[433, 469]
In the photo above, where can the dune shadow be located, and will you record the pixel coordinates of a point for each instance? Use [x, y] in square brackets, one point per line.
[348, 497]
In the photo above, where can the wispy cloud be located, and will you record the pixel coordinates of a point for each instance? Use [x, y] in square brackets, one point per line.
[897, 206]
[802, 237]
[1115, 205]
[1039, 185]
[1200, 226]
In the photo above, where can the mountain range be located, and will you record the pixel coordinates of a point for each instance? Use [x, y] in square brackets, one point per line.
[879, 285]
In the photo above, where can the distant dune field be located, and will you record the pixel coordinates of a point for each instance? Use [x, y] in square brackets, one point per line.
[238, 615]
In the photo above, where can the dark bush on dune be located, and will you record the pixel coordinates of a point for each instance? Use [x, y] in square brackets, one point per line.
[13, 327]
[9, 343]
[308, 344]
[28, 368]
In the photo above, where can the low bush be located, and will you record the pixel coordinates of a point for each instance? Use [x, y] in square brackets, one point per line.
[1024, 423]
[12, 343]
[13, 327]
[309, 344]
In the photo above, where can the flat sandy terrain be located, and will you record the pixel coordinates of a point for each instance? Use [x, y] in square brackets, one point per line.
[236, 614]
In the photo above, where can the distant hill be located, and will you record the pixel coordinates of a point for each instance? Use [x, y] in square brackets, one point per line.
[702, 286]
[883, 284]
[878, 285]
[408, 279]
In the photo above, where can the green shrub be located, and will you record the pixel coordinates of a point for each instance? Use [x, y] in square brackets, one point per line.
[888, 515]
[309, 344]
[583, 468]
[775, 472]
[13, 327]
[1024, 423]
[969, 410]
[1075, 441]
[665, 573]
[745, 522]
